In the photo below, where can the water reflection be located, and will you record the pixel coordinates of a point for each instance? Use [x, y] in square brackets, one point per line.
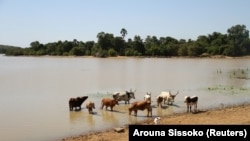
[90, 119]
[77, 116]
[109, 116]
[82, 117]
[165, 110]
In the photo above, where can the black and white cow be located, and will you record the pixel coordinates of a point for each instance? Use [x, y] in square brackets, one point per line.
[191, 101]
[124, 96]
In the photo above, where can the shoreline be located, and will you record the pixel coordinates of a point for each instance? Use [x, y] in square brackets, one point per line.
[232, 115]
[120, 57]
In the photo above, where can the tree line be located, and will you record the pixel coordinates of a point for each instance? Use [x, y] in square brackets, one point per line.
[235, 42]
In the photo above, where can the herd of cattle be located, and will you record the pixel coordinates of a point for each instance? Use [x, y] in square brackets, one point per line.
[165, 97]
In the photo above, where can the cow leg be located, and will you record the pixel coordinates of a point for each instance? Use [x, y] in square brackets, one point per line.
[135, 112]
[188, 108]
[111, 108]
[148, 112]
[76, 109]
[195, 107]
[70, 107]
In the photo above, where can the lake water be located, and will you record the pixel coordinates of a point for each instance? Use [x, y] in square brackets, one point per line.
[35, 90]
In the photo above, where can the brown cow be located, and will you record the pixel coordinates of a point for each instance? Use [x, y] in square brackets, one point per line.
[76, 103]
[141, 105]
[108, 102]
[90, 106]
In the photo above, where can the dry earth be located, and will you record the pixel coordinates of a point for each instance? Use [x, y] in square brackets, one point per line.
[239, 114]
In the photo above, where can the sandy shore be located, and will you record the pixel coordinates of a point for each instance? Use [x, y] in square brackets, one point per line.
[238, 114]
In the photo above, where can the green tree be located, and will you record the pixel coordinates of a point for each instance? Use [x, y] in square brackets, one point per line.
[119, 45]
[237, 35]
[105, 40]
[123, 33]
[89, 45]
[216, 41]
[35, 45]
[138, 46]
[152, 47]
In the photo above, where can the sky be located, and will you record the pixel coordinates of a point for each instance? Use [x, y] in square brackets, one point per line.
[26, 21]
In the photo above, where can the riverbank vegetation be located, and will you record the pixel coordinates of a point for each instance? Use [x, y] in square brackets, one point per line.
[235, 42]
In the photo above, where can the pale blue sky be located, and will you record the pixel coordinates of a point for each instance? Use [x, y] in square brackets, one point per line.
[25, 21]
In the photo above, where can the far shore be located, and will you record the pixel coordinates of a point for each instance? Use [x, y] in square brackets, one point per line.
[198, 57]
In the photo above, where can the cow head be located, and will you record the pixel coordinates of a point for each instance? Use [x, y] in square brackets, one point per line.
[131, 93]
[186, 98]
[147, 96]
[172, 96]
[82, 99]
[92, 105]
[115, 95]
[115, 102]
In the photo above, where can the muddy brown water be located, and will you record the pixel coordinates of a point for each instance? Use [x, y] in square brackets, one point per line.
[35, 90]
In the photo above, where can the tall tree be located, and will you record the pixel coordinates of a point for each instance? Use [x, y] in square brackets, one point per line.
[123, 33]
[237, 35]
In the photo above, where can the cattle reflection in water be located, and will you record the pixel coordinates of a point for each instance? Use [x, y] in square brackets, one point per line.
[110, 117]
[165, 110]
[77, 118]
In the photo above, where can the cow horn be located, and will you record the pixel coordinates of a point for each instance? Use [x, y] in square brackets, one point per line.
[177, 93]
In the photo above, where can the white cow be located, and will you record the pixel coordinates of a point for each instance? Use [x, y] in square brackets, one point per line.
[124, 96]
[166, 97]
[147, 97]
